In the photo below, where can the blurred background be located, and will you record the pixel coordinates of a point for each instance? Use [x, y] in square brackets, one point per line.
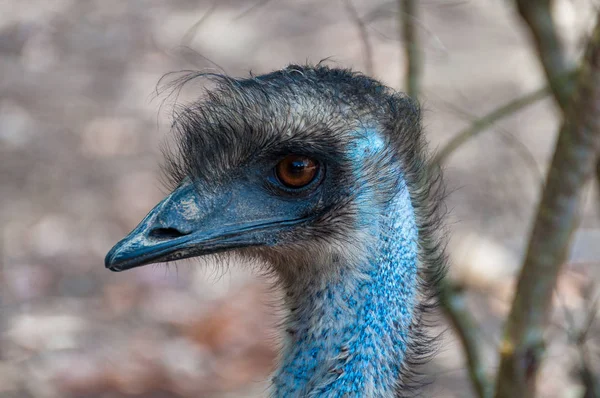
[80, 134]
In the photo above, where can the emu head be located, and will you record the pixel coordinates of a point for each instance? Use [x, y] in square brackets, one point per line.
[294, 167]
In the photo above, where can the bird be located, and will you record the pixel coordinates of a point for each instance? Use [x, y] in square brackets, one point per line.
[319, 173]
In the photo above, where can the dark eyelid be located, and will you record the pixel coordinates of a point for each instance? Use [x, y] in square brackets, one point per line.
[324, 154]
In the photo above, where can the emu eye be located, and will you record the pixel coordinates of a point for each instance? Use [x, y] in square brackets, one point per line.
[296, 171]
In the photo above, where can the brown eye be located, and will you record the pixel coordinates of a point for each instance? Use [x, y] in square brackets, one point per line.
[296, 171]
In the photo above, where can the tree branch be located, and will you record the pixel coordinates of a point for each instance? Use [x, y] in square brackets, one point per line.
[573, 162]
[408, 15]
[453, 303]
[538, 17]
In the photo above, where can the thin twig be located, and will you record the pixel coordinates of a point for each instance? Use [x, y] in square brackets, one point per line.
[576, 152]
[487, 121]
[189, 35]
[251, 9]
[412, 55]
[454, 305]
[383, 11]
[364, 35]
[525, 154]
[510, 139]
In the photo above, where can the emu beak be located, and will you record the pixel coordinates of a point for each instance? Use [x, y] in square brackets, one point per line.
[186, 224]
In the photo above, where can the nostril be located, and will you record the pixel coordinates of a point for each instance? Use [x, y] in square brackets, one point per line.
[167, 233]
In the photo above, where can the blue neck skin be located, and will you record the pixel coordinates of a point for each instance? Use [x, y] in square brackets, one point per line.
[350, 335]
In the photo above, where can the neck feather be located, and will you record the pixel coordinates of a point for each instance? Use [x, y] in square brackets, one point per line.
[349, 336]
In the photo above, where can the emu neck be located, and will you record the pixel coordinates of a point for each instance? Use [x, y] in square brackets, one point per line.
[348, 337]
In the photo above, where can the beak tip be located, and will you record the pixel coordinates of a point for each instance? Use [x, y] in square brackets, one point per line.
[124, 255]
[112, 261]
[109, 262]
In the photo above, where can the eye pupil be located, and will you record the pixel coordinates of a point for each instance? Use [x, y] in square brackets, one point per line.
[296, 171]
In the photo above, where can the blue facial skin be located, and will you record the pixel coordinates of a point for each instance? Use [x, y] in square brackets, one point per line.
[353, 342]
[352, 336]
[195, 220]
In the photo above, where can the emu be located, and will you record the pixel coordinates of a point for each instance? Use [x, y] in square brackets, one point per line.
[321, 174]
